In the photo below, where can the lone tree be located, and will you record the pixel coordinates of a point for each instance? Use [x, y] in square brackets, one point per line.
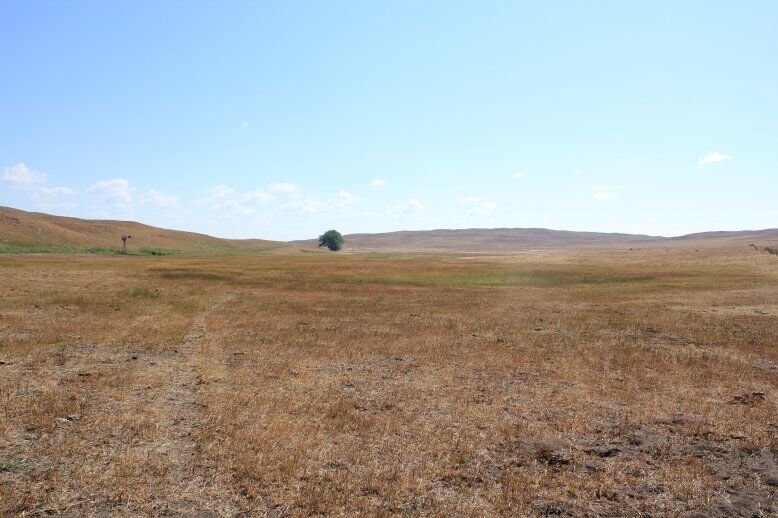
[332, 239]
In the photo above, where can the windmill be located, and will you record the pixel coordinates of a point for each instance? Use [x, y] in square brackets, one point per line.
[125, 237]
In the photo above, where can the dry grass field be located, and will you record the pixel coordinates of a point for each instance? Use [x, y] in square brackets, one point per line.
[295, 384]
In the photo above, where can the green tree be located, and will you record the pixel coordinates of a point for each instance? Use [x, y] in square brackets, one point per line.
[332, 239]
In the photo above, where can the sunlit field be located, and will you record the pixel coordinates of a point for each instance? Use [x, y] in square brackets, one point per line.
[620, 383]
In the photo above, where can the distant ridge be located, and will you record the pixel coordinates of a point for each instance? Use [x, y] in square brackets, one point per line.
[20, 228]
[522, 239]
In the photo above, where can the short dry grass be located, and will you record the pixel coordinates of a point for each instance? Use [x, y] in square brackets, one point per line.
[620, 383]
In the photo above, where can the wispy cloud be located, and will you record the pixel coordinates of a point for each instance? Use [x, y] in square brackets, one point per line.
[160, 199]
[518, 174]
[34, 182]
[378, 183]
[768, 213]
[309, 205]
[282, 187]
[409, 208]
[117, 190]
[21, 176]
[50, 198]
[604, 192]
[712, 158]
[341, 202]
[343, 199]
[52, 191]
[478, 204]
[229, 202]
[259, 196]
[222, 191]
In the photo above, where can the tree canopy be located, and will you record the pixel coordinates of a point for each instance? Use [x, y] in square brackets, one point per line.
[332, 239]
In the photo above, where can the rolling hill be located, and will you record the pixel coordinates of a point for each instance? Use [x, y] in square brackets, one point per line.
[521, 239]
[481, 239]
[19, 228]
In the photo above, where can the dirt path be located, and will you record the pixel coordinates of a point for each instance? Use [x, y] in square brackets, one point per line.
[193, 493]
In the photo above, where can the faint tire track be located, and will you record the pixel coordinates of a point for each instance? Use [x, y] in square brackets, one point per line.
[193, 494]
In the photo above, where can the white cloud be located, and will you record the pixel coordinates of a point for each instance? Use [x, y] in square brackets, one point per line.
[712, 158]
[160, 199]
[229, 202]
[222, 191]
[485, 207]
[49, 198]
[605, 195]
[53, 191]
[479, 204]
[378, 183]
[577, 171]
[341, 202]
[233, 207]
[410, 208]
[19, 175]
[117, 190]
[258, 197]
[34, 182]
[309, 205]
[518, 174]
[344, 199]
[604, 192]
[218, 195]
[282, 187]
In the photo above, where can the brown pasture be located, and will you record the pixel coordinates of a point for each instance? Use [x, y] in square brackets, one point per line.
[294, 384]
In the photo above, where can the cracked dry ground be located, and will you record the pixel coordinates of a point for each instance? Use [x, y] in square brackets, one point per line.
[635, 383]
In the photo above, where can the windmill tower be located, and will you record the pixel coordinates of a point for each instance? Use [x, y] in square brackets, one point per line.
[125, 237]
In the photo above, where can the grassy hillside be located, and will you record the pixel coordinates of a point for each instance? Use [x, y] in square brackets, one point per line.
[32, 230]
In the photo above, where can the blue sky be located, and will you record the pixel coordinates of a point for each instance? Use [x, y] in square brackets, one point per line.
[283, 119]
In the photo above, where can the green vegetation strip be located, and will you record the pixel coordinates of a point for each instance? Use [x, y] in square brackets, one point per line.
[11, 466]
[557, 278]
[13, 249]
[146, 250]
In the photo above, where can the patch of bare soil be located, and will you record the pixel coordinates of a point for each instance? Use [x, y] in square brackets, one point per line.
[748, 476]
[763, 310]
